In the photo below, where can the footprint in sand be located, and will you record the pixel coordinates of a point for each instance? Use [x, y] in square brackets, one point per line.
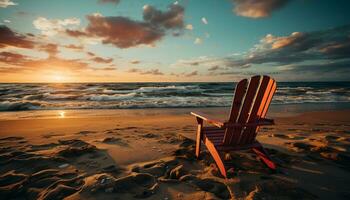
[126, 128]
[149, 135]
[53, 174]
[85, 132]
[51, 135]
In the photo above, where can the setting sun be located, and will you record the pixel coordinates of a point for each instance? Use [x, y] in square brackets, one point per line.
[58, 78]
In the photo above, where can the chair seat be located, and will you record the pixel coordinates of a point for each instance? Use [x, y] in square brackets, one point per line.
[216, 136]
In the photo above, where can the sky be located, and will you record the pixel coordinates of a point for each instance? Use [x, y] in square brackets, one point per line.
[166, 41]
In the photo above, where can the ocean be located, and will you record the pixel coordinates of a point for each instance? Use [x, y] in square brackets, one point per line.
[61, 96]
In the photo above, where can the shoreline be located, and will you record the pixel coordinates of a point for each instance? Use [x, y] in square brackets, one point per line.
[274, 110]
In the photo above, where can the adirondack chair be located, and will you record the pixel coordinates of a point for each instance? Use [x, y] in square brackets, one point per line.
[249, 107]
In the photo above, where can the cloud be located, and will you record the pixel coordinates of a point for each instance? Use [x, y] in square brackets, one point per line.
[51, 27]
[153, 72]
[257, 9]
[90, 53]
[12, 58]
[298, 47]
[134, 70]
[6, 3]
[74, 47]
[193, 73]
[325, 52]
[123, 32]
[321, 46]
[51, 49]
[22, 63]
[214, 68]
[102, 60]
[10, 38]
[204, 20]
[342, 66]
[23, 13]
[171, 19]
[109, 1]
[135, 62]
[198, 41]
[206, 61]
[98, 59]
[331, 70]
[109, 68]
[146, 72]
[13, 62]
[242, 74]
[185, 74]
[189, 27]
[75, 33]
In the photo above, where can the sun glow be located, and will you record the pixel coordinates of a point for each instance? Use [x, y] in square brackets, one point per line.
[58, 78]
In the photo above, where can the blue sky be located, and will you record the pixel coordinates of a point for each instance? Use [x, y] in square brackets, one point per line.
[222, 49]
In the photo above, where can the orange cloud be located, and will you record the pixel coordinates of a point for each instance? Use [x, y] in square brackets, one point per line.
[257, 9]
[102, 60]
[51, 49]
[27, 64]
[280, 42]
[74, 47]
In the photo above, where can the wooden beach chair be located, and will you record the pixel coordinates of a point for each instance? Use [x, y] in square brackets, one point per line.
[249, 107]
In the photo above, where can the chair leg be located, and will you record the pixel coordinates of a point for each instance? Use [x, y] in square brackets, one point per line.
[198, 145]
[264, 156]
[216, 156]
[199, 136]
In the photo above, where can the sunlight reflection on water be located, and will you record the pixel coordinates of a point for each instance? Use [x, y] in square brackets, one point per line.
[61, 114]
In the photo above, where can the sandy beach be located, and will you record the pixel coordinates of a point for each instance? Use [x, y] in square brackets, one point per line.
[149, 154]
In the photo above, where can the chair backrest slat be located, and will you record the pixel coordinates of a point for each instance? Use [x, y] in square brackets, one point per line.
[267, 104]
[246, 107]
[249, 105]
[260, 101]
[266, 107]
[238, 98]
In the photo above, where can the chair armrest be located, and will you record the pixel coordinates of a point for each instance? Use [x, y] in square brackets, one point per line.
[206, 118]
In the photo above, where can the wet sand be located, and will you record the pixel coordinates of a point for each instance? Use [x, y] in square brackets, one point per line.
[149, 154]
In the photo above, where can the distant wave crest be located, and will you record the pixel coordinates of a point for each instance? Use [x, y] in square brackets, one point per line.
[17, 106]
[14, 97]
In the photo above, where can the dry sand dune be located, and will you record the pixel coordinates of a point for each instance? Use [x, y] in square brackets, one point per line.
[121, 157]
